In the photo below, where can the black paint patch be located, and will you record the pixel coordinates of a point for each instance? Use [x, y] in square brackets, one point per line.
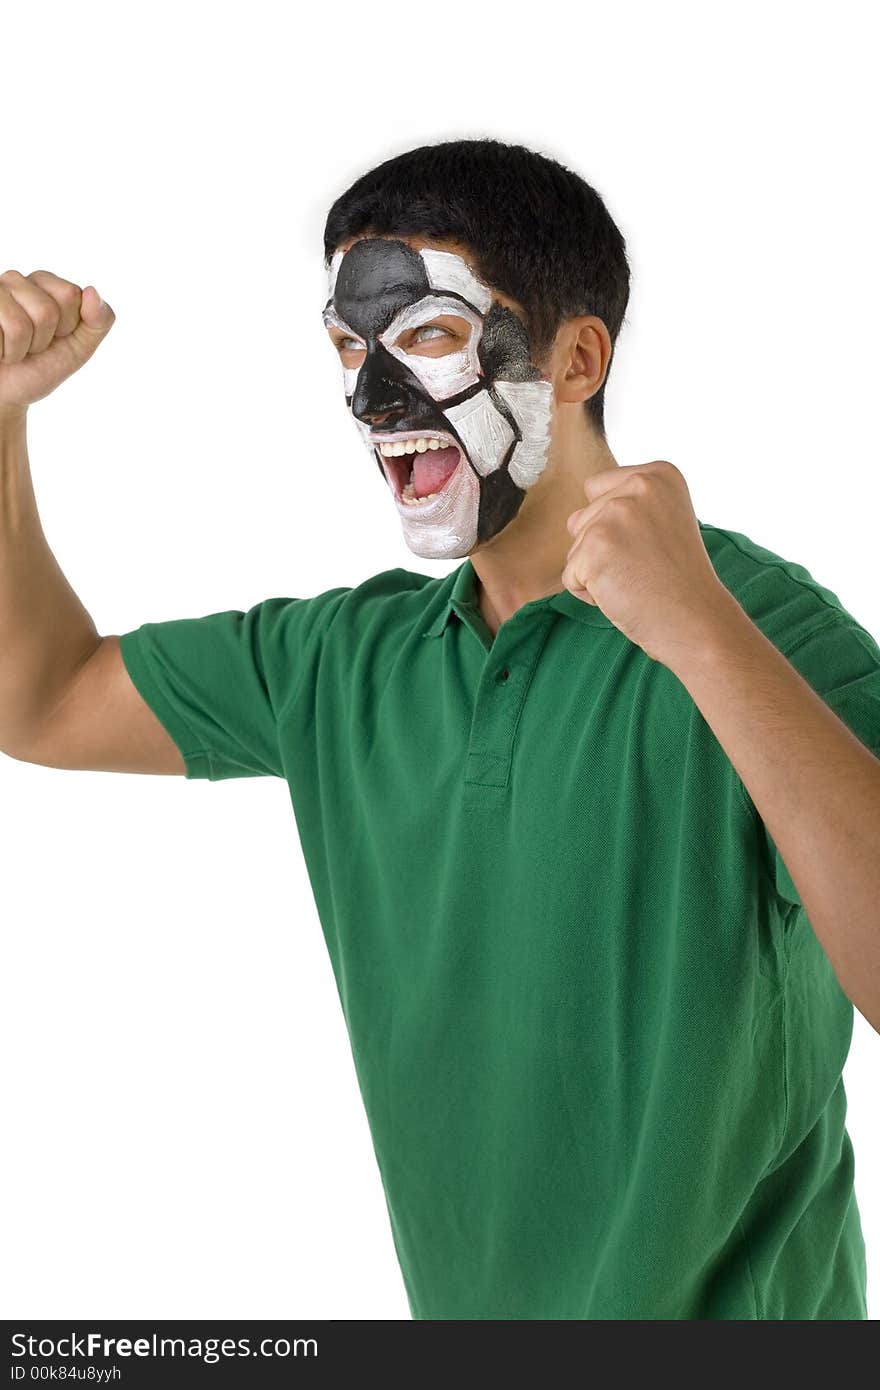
[377, 278]
[500, 500]
[388, 396]
[503, 349]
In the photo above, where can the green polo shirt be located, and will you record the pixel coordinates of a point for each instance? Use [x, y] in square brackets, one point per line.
[598, 1043]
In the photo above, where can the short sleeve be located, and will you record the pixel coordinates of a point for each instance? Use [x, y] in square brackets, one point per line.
[841, 661]
[218, 683]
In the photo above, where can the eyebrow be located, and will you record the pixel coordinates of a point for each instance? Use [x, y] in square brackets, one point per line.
[333, 320]
[428, 307]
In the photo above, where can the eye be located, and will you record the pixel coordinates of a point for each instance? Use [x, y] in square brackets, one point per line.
[342, 344]
[431, 328]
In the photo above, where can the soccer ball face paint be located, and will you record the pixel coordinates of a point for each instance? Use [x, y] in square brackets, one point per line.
[476, 420]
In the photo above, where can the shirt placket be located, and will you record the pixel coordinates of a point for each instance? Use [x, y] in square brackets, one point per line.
[502, 689]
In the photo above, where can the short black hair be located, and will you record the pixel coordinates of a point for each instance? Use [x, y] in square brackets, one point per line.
[536, 230]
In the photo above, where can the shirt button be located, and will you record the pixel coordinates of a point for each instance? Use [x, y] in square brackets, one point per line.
[502, 675]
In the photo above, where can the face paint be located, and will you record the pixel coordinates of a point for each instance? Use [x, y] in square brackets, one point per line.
[485, 403]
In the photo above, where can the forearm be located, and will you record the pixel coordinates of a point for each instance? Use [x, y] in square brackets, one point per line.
[45, 632]
[814, 784]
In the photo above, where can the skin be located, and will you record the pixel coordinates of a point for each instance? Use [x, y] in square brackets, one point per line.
[524, 560]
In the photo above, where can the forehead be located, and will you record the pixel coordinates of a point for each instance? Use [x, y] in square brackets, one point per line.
[379, 276]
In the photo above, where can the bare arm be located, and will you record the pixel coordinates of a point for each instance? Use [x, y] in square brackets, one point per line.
[66, 699]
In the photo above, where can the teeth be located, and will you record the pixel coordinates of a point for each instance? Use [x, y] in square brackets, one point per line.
[408, 496]
[396, 448]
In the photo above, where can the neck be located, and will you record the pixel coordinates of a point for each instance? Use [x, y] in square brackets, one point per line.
[526, 559]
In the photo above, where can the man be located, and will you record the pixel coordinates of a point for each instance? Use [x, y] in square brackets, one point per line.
[591, 821]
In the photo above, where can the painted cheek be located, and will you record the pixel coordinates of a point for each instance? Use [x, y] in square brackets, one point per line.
[444, 376]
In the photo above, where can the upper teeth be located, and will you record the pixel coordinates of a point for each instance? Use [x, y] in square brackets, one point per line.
[409, 446]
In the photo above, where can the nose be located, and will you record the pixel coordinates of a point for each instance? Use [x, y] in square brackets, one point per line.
[380, 397]
[382, 411]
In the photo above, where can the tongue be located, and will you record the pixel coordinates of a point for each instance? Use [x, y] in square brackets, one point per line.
[432, 469]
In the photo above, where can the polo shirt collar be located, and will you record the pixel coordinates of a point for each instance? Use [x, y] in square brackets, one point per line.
[459, 590]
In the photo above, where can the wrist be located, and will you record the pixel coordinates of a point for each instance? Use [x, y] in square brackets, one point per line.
[12, 417]
[722, 626]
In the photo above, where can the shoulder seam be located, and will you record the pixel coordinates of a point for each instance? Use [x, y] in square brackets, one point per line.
[779, 564]
[836, 619]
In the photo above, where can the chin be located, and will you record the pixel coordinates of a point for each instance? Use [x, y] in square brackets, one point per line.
[439, 547]
[444, 526]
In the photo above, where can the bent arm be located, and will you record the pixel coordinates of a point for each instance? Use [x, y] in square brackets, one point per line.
[66, 699]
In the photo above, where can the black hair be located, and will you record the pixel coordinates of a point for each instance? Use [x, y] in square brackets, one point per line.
[536, 230]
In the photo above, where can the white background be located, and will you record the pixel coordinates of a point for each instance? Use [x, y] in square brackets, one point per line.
[184, 1134]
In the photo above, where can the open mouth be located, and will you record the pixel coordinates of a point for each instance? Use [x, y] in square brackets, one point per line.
[419, 466]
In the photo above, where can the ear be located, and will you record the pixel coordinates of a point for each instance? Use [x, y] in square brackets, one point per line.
[582, 353]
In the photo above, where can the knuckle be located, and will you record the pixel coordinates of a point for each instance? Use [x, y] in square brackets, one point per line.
[15, 343]
[64, 291]
[68, 293]
[46, 315]
[15, 320]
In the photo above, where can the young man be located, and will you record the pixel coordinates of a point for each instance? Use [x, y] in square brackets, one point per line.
[591, 821]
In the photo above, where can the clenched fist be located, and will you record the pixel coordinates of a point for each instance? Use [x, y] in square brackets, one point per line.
[48, 328]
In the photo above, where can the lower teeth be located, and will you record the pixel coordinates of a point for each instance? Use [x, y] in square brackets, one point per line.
[409, 496]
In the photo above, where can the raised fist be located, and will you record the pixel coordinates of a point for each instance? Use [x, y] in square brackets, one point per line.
[48, 328]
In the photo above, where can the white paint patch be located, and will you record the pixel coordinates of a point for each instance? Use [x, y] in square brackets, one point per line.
[532, 406]
[332, 272]
[363, 430]
[332, 319]
[450, 373]
[483, 431]
[442, 376]
[429, 307]
[349, 374]
[447, 271]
